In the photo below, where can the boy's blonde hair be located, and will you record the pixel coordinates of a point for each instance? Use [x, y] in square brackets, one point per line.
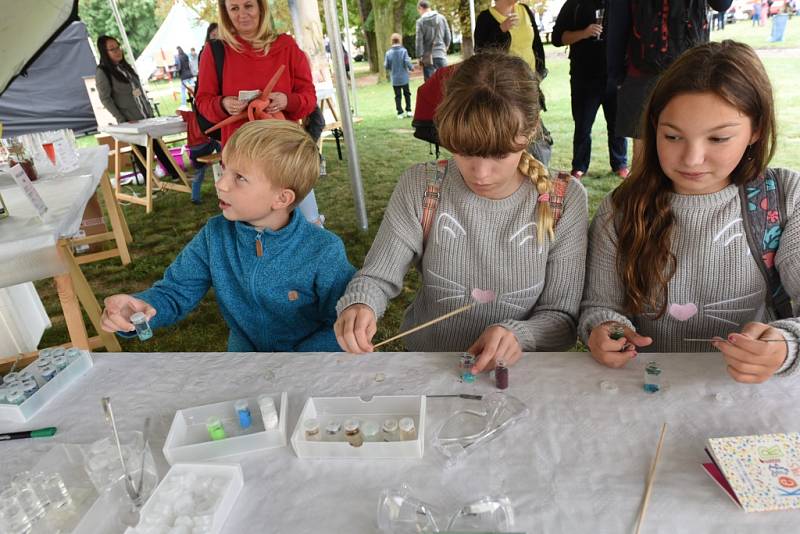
[396, 38]
[281, 149]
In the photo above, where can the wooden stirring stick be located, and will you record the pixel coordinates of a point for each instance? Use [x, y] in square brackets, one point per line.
[425, 325]
[764, 340]
[650, 478]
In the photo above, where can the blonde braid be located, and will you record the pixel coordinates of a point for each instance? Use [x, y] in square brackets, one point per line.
[540, 177]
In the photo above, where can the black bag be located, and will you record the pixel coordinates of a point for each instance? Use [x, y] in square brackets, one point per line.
[218, 49]
[665, 29]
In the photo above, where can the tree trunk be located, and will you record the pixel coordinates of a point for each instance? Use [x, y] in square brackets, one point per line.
[467, 45]
[364, 9]
[383, 15]
[399, 11]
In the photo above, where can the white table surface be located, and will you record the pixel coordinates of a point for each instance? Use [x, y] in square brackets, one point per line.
[137, 132]
[28, 243]
[577, 464]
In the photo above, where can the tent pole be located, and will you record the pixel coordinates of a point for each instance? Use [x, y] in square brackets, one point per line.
[352, 61]
[332, 24]
[123, 34]
[472, 20]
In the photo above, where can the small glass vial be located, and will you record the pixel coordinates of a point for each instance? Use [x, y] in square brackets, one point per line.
[652, 377]
[352, 433]
[467, 362]
[45, 353]
[29, 387]
[141, 325]
[11, 378]
[243, 411]
[311, 428]
[60, 363]
[408, 431]
[47, 372]
[57, 351]
[15, 396]
[501, 375]
[333, 431]
[54, 490]
[616, 331]
[371, 431]
[215, 429]
[72, 354]
[268, 412]
[389, 430]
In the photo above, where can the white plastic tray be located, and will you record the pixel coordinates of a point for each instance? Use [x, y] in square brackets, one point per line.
[22, 412]
[232, 472]
[188, 439]
[377, 409]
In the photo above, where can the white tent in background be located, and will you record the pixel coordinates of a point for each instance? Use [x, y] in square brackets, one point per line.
[181, 28]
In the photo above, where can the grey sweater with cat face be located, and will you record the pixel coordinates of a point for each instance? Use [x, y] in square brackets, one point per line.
[717, 287]
[477, 244]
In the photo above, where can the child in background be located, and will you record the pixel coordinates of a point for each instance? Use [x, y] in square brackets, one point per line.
[276, 276]
[494, 231]
[199, 145]
[673, 254]
[398, 63]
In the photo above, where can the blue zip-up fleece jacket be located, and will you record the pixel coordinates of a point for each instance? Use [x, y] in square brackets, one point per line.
[283, 301]
[398, 63]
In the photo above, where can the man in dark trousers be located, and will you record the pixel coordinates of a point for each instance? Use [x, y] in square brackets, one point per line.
[579, 27]
[644, 38]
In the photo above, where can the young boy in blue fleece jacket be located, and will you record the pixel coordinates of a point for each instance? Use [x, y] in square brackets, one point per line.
[276, 276]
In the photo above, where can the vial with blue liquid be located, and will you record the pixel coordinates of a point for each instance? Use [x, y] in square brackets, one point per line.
[652, 377]
[141, 325]
[467, 362]
[243, 411]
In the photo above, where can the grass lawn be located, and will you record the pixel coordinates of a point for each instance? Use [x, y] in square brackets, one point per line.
[386, 147]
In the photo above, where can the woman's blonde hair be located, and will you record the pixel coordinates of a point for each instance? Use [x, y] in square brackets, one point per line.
[282, 150]
[491, 101]
[264, 37]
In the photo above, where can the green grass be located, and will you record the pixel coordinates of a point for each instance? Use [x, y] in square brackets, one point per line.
[386, 147]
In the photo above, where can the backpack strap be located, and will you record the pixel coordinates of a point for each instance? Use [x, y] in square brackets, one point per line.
[218, 50]
[763, 215]
[560, 185]
[436, 171]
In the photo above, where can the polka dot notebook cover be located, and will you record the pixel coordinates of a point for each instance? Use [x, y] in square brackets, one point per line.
[760, 473]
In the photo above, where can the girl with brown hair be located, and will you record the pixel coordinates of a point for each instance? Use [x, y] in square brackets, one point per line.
[674, 251]
[492, 232]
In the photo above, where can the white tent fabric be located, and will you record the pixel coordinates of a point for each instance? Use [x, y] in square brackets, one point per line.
[25, 28]
[181, 28]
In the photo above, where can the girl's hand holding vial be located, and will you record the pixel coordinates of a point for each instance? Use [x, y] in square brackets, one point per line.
[120, 312]
[496, 343]
[614, 346]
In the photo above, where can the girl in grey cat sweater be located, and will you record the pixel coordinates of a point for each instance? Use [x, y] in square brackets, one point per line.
[672, 254]
[493, 231]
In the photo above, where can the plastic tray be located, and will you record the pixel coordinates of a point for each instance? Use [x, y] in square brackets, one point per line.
[188, 439]
[22, 412]
[377, 409]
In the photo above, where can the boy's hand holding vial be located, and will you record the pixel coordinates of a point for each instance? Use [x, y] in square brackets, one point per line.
[749, 359]
[495, 344]
[121, 309]
[614, 344]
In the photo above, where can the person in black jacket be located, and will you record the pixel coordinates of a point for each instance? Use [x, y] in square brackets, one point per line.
[511, 26]
[577, 26]
[644, 37]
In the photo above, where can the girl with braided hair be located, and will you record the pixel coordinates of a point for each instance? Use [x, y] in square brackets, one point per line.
[493, 232]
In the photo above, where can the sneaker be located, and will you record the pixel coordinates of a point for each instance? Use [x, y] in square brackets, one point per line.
[622, 172]
[400, 115]
[409, 114]
[577, 174]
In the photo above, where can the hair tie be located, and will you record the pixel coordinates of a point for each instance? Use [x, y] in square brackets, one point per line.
[544, 197]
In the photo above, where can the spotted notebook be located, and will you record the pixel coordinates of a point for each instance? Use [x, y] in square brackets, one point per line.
[761, 472]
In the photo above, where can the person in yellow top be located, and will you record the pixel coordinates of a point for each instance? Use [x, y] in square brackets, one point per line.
[511, 26]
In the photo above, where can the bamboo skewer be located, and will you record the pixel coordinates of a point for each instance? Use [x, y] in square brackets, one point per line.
[425, 325]
[650, 478]
[765, 340]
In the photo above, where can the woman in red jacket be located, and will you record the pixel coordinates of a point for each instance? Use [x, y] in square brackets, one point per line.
[253, 53]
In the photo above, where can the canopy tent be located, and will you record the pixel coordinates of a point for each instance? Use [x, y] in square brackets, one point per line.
[181, 28]
[51, 94]
[28, 27]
